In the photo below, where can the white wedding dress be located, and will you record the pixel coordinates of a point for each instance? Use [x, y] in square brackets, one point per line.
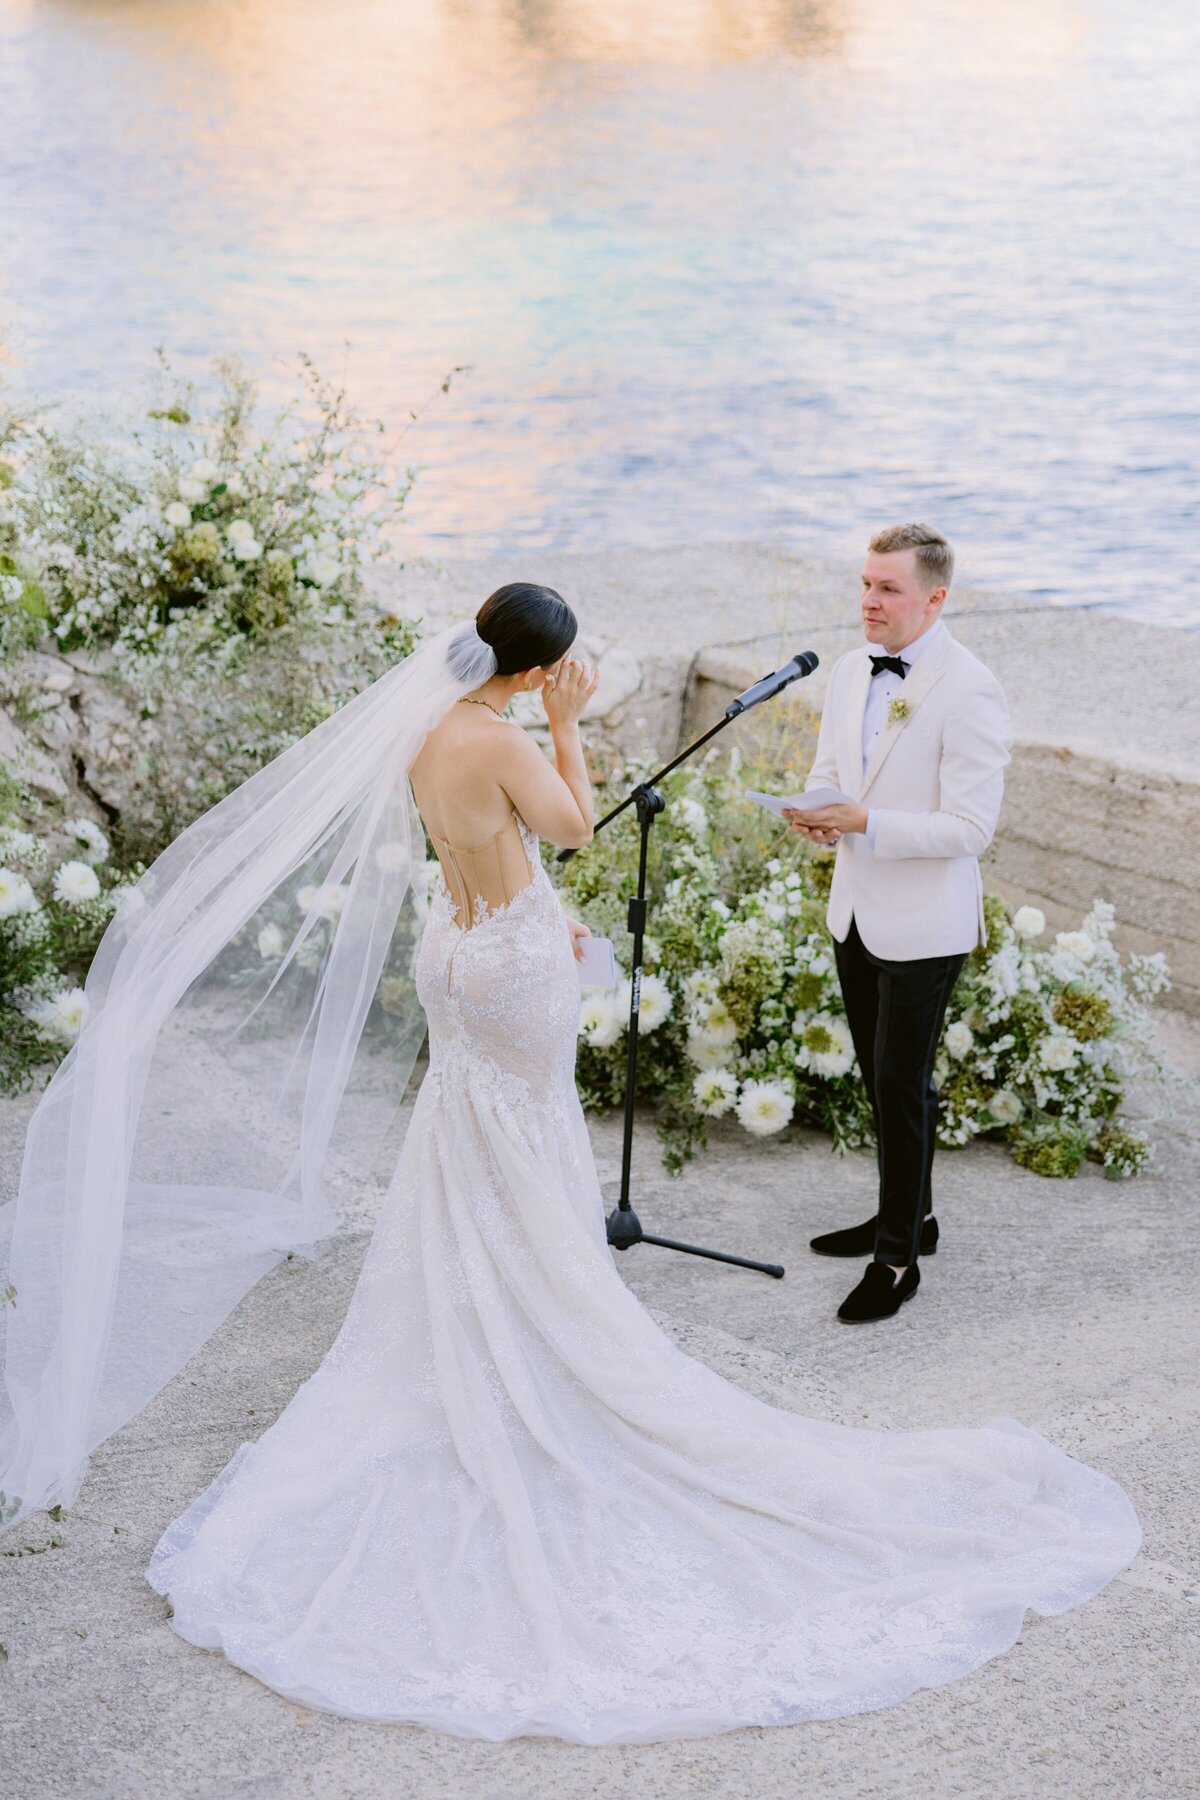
[507, 1504]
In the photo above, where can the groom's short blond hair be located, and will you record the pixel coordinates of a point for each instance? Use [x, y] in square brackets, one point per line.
[935, 558]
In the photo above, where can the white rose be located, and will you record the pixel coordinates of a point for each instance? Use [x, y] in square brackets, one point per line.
[1029, 922]
[178, 515]
[322, 568]
[715, 1091]
[959, 1039]
[191, 491]
[16, 894]
[1005, 1106]
[270, 943]
[239, 531]
[235, 487]
[764, 1107]
[75, 882]
[1075, 943]
[203, 470]
[246, 549]
[1057, 1052]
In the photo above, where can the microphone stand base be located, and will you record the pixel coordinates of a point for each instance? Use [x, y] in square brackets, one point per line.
[624, 1230]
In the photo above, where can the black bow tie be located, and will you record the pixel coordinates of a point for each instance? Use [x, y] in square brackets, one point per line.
[880, 663]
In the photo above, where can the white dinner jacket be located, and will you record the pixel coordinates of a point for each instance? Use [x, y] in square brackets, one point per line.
[933, 784]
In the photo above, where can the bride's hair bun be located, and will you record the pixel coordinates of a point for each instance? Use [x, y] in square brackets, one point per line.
[528, 627]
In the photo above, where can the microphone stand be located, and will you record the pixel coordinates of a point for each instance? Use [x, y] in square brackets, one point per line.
[624, 1227]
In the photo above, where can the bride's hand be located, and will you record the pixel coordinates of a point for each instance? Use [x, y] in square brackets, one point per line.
[567, 691]
[578, 931]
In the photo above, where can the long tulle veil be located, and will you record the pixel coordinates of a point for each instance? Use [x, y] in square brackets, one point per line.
[255, 981]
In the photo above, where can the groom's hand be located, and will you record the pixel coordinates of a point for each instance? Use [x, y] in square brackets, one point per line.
[826, 824]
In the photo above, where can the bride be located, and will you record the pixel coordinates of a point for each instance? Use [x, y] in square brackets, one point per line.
[505, 1503]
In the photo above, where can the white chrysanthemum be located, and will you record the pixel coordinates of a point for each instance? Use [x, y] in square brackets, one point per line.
[764, 1107]
[1057, 1052]
[1029, 921]
[707, 1052]
[62, 1016]
[656, 1004]
[959, 1039]
[1075, 943]
[270, 943]
[192, 490]
[203, 470]
[715, 1091]
[89, 838]
[246, 549]
[824, 1045]
[1005, 1106]
[178, 515]
[601, 1020]
[75, 882]
[16, 894]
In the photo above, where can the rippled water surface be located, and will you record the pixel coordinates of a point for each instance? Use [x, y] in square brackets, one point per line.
[773, 269]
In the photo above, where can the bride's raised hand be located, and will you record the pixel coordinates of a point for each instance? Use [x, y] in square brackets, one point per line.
[567, 691]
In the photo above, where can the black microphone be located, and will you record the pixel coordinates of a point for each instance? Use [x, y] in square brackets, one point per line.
[803, 663]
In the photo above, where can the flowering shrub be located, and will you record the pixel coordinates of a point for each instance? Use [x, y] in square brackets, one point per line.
[58, 891]
[742, 1016]
[199, 530]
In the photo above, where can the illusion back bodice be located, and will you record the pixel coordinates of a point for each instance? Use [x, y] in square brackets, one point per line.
[487, 877]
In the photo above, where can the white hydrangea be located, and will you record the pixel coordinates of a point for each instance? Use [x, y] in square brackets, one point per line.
[75, 882]
[178, 515]
[824, 1045]
[1057, 1052]
[715, 1092]
[62, 1015]
[270, 943]
[601, 1020]
[90, 840]
[1005, 1106]
[959, 1039]
[764, 1107]
[16, 894]
[1029, 922]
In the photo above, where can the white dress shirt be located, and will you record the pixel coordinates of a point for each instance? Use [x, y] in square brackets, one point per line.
[883, 690]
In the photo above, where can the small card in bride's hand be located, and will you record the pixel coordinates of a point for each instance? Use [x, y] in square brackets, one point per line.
[811, 801]
[598, 965]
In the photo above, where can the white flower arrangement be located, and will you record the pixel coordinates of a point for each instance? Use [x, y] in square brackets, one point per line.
[75, 882]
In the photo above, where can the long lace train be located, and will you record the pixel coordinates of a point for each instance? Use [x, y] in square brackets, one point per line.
[507, 1504]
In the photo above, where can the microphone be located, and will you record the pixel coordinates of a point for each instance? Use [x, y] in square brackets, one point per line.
[802, 664]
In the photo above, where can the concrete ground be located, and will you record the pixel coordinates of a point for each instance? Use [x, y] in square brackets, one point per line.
[1069, 1306]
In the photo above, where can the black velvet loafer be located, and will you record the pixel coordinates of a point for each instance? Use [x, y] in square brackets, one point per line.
[859, 1240]
[879, 1294]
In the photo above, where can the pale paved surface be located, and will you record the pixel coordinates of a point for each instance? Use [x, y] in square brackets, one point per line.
[1071, 1307]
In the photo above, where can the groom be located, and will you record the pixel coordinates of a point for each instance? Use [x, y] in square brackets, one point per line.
[916, 730]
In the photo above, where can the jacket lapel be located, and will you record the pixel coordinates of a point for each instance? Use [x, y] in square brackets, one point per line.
[852, 724]
[924, 678]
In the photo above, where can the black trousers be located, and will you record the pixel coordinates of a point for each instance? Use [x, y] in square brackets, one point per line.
[895, 1012]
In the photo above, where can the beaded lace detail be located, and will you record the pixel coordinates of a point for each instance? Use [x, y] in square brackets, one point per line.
[507, 1503]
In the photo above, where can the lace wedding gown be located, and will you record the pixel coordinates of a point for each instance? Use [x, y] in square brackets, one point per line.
[507, 1504]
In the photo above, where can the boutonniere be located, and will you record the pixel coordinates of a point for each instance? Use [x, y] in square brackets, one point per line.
[898, 711]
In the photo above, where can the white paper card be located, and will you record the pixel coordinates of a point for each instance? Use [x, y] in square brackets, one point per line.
[598, 967]
[809, 802]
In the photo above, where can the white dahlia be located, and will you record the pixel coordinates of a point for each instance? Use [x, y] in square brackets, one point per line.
[16, 894]
[715, 1092]
[764, 1107]
[75, 882]
[90, 840]
[656, 1004]
[824, 1045]
[62, 1016]
[601, 1020]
